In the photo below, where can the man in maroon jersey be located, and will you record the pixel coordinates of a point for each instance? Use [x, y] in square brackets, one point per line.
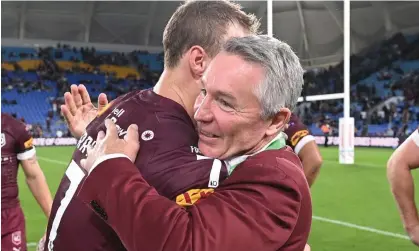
[399, 166]
[168, 158]
[305, 146]
[265, 203]
[17, 147]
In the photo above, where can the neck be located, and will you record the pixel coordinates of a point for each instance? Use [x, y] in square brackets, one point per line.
[175, 86]
[261, 145]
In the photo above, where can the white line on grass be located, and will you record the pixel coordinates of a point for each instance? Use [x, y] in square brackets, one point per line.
[341, 223]
[325, 160]
[369, 229]
[53, 160]
[359, 165]
[337, 222]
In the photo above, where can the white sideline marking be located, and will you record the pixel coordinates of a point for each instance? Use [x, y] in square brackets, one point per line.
[341, 223]
[53, 160]
[368, 229]
[384, 166]
[336, 222]
[325, 160]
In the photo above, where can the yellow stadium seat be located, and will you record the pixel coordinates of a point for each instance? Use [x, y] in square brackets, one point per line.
[69, 65]
[7, 66]
[120, 71]
[29, 64]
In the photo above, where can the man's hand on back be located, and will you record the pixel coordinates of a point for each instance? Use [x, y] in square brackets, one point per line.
[110, 143]
[78, 109]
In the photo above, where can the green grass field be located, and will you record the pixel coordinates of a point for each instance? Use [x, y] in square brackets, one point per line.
[352, 197]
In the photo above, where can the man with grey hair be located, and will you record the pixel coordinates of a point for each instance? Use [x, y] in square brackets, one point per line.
[169, 157]
[265, 204]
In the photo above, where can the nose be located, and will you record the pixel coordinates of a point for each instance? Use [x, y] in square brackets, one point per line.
[203, 113]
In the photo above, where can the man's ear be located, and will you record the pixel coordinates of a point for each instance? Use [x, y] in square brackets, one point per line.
[279, 122]
[198, 61]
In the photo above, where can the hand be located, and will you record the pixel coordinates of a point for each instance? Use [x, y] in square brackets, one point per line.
[307, 248]
[79, 110]
[41, 243]
[111, 144]
[413, 233]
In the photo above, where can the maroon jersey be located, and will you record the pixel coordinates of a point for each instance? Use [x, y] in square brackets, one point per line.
[16, 145]
[168, 160]
[265, 205]
[298, 134]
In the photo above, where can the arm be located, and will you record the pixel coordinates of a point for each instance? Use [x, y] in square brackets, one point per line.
[402, 161]
[311, 159]
[35, 178]
[37, 184]
[305, 146]
[239, 216]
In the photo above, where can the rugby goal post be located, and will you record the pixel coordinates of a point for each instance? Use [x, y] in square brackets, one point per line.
[347, 123]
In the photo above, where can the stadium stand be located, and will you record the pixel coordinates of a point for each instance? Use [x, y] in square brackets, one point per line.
[35, 79]
[383, 101]
[384, 90]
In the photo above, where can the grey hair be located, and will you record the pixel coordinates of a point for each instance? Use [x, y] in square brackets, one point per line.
[284, 74]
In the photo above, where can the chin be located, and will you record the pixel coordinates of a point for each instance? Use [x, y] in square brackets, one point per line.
[208, 151]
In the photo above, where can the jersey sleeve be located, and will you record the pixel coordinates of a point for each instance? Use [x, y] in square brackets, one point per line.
[415, 137]
[298, 134]
[181, 172]
[24, 142]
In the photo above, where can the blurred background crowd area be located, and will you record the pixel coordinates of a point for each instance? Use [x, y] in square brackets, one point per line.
[384, 90]
[384, 85]
[104, 37]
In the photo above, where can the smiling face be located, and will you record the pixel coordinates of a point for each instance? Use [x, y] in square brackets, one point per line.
[227, 111]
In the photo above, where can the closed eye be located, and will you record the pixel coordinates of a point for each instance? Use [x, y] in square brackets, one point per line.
[224, 103]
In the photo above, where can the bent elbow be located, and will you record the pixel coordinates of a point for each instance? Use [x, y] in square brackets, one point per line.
[316, 164]
[319, 162]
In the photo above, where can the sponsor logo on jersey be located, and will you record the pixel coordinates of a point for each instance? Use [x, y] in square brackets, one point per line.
[116, 113]
[192, 196]
[3, 140]
[147, 135]
[298, 136]
[17, 238]
[86, 140]
[29, 143]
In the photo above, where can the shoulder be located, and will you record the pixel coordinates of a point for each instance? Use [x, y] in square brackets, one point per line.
[173, 132]
[283, 159]
[10, 119]
[275, 179]
[11, 124]
[274, 167]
